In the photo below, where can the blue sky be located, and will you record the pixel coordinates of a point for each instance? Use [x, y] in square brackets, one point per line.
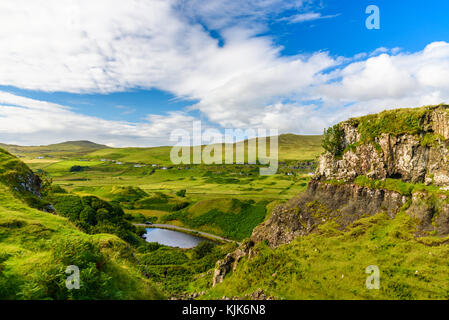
[135, 73]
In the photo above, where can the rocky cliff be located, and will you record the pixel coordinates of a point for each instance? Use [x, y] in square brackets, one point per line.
[391, 161]
[407, 144]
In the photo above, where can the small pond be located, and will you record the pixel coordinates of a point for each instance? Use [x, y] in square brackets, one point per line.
[172, 238]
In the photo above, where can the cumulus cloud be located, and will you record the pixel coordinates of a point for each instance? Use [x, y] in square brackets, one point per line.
[240, 80]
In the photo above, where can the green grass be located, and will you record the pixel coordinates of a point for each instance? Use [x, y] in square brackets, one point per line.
[393, 122]
[36, 247]
[397, 185]
[331, 265]
[230, 218]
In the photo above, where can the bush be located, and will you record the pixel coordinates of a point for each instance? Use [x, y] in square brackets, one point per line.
[128, 194]
[77, 168]
[181, 193]
[88, 215]
[333, 140]
[203, 249]
[68, 205]
[164, 256]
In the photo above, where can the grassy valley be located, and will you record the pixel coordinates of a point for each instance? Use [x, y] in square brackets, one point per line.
[94, 194]
[146, 185]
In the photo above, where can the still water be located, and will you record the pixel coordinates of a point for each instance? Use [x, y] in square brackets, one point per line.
[172, 238]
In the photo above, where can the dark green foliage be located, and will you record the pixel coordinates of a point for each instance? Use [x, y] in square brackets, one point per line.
[164, 256]
[94, 215]
[203, 249]
[77, 168]
[54, 188]
[333, 140]
[233, 225]
[181, 193]
[173, 269]
[88, 215]
[128, 194]
[68, 205]
[146, 247]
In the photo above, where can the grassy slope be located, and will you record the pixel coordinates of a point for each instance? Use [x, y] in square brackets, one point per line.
[27, 240]
[33, 260]
[331, 265]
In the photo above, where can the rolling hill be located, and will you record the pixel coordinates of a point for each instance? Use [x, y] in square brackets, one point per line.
[37, 246]
[64, 149]
[291, 147]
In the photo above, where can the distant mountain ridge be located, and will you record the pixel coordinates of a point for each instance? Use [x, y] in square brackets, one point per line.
[76, 143]
[68, 148]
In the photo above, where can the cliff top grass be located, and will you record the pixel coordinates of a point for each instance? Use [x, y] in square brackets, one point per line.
[395, 185]
[393, 122]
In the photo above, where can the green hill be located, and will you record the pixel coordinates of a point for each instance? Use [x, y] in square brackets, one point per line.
[291, 147]
[64, 149]
[36, 247]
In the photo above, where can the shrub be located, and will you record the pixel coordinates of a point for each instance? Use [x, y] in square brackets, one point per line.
[203, 249]
[77, 168]
[333, 140]
[181, 193]
[68, 205]
[128, 194]
[88, 215]
[164, 256]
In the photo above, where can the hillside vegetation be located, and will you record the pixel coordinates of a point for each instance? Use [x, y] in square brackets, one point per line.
[331, 264]
[36, 247]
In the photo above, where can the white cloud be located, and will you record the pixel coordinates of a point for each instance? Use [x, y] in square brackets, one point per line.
[308, 16]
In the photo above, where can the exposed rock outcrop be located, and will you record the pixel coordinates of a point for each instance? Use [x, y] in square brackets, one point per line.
[322, 201]
[229, 263]
[419, 157]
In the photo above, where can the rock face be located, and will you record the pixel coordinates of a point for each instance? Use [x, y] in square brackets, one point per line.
[410, 157]
[29, 182]
[22, 181]
[229, 263]
[322, 201]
